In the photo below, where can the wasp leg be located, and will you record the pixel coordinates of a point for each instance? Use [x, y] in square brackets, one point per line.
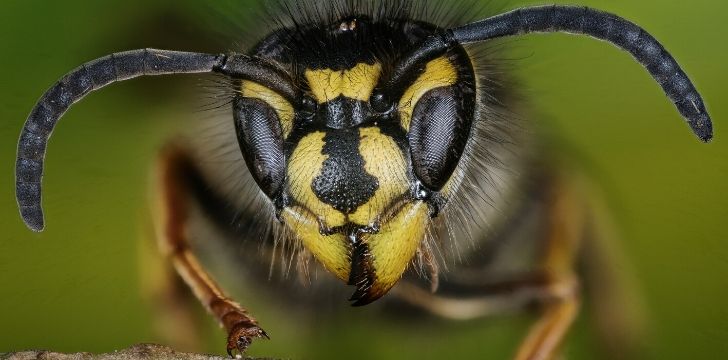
[564, 233]
[176, 324]
[494, 298]
[546, 335]
[177, 177]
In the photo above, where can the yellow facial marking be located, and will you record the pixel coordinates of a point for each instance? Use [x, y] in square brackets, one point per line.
[356, 83]
[283, 108]
[395, 245]
[331, 250]
[384, 160]
[399, 234]
[438, 73]
[305, 164]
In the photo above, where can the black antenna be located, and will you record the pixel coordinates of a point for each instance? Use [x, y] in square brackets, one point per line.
[73, 87]
[604, 26]
[557, 18]
[107, 70]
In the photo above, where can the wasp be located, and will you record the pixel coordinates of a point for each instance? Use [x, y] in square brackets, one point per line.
[372, 137]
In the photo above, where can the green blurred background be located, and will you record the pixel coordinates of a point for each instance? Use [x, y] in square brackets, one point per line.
[76, 286]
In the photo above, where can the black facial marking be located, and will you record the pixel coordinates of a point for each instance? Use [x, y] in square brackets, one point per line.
[343, 112]
[344, 182]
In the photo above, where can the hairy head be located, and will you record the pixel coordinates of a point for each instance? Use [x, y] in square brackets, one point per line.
[356, 178]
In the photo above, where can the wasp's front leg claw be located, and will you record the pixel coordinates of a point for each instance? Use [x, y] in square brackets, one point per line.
[241, 336]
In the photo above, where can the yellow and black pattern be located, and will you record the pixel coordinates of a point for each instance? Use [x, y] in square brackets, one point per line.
[358, 186]
[283, 108]
[356, 83]
[438, 73]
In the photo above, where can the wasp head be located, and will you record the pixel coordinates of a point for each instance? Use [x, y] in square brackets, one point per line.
[356, 174]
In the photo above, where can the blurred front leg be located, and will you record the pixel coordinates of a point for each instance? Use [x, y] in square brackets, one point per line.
[178, 180]
[560, 306]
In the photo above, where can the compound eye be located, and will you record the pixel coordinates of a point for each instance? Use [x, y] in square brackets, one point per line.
[263, 120]
[261, 140]
[438, 133]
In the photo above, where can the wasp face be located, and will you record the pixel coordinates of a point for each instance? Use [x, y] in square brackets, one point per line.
[357, 179]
